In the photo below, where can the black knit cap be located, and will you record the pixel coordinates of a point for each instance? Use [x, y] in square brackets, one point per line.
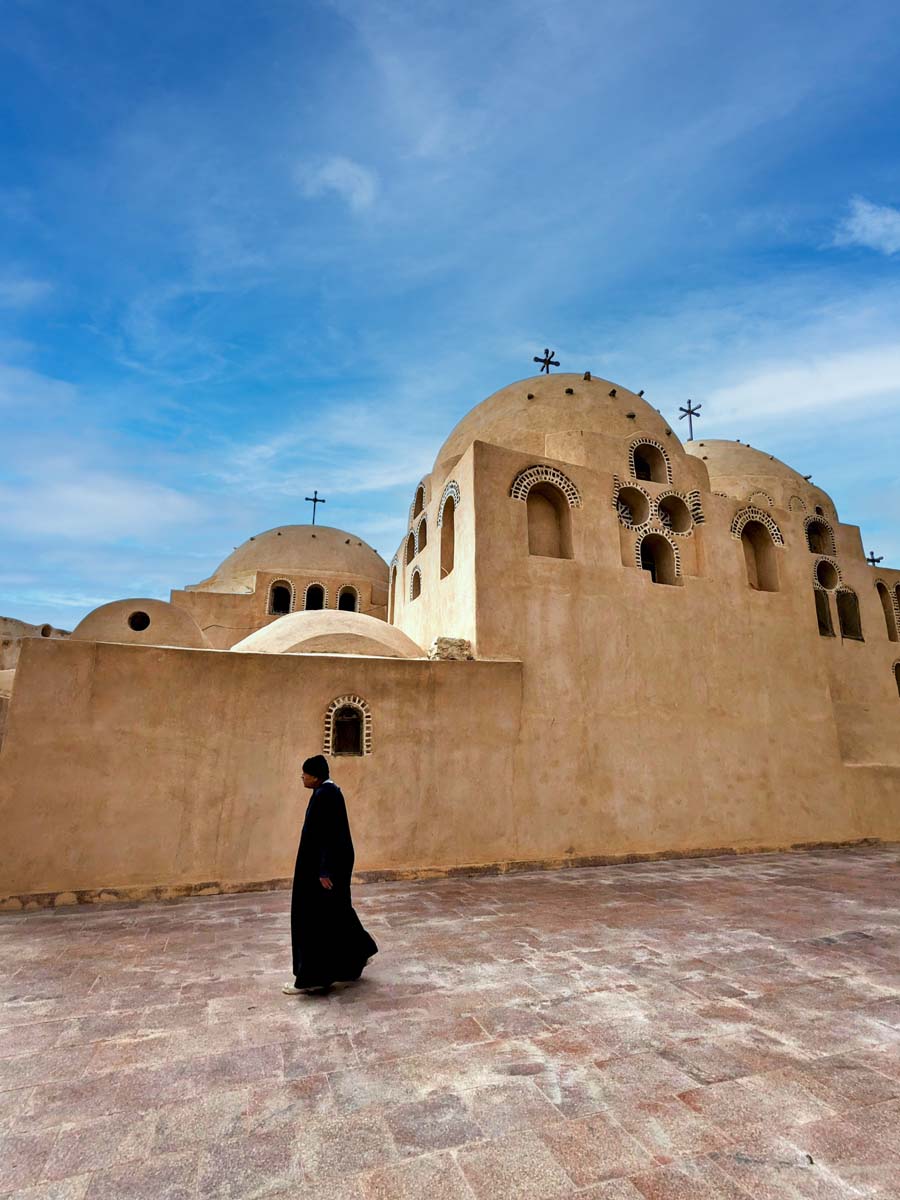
[317, 766]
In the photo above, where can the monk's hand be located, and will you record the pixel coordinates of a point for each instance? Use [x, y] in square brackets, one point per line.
[326, 882]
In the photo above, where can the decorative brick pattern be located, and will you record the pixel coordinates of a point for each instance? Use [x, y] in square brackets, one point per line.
[286, 583]
[832, 549]
[756, 514]
[451, 490]
[420, 545]
[343, 589]
[645, 441]
[664, 533]
[525, 481]
[361, 707]
[760, 494]
[694, 505]
[797, 504]
[412, 583]
[894, 596]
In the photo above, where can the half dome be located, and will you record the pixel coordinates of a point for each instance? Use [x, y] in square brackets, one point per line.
[330, 631]
[141, 622]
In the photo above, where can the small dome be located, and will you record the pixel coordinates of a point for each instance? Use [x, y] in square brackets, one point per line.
[748, 474]
[142, 622]
[295, 549]
[557, 404]
[330, 631]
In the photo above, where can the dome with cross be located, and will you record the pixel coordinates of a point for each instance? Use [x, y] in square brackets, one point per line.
[738, 470]
[531, 414]
[289, 549]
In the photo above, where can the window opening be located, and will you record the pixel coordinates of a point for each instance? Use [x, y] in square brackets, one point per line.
[658, 559]
[848, 615]
[348, 731]
[448, 536]
[888, 609]
[315, 597]
[759, 557]
[549, 528]
[823, 613]
[280, 599]
[348, 601]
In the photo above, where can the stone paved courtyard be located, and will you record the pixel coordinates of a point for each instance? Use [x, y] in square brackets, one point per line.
[674, 1031]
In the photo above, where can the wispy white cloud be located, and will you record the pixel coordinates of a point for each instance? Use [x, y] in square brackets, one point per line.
[355, 184]
[876, 226]
[26, 390]
[22, 292]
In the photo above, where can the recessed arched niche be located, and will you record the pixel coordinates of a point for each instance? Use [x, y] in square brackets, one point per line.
[675, 514]
[549, 522]
[759, 557]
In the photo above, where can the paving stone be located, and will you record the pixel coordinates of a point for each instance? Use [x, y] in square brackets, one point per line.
[344, 1145]
[429, 1177]
[594, 1149]
[439, 1122]
[99, 1144]
[22, 1158]
[169, 1177]
[517, 1167]
[246, 1167]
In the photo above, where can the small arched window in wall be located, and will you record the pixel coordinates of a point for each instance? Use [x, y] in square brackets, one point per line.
[823, 613]
[657, 556]
[897, 676]
[314, 598]
[848, 614]
[421, 535]
[675, 514]
[410, 547]
[447, 522]
[281, 596]
[649, 461]
[348, 727]
[419, 501]
[348, 598]
[415, 586]
[759, 557]
[887, 607]
[392, 593]
[819, 536]
[632, 507]
[549, 522]
[827, 574]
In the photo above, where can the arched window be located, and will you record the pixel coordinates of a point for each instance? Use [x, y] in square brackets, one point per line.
[348, 599]
[675, 514]
[888, 609]
[415, 586]
[848, 614]
[348, 731]
[280, 596]
[549, 523]
[421, 536]
[819, 536]
[632, 507]
[658, 557]
[648, 461]
[759, 557]
[315, 597]
[897, 676]
[410, 547]
[392, 593]
[348, 727]
[419, 501]
[823, 613]
[448, 536]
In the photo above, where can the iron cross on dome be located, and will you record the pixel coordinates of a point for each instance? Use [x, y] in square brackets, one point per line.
[872, 560]
[546, 362]
[690, 412]
[315, 500]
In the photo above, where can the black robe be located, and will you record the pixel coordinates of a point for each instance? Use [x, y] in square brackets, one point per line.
[327, 938]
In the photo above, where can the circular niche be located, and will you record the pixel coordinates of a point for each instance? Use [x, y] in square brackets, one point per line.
[139, 621]
[632, 506]
[674, 514]
[827, 574]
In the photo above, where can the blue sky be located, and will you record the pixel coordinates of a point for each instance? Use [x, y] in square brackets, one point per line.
[248, 250]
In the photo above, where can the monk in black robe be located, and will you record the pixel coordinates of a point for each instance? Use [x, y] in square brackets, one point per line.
[328, 941]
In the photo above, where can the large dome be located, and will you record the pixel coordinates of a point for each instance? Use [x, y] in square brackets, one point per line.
[292, 549]
[330, 632]
[741, 471]
[521, 416]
